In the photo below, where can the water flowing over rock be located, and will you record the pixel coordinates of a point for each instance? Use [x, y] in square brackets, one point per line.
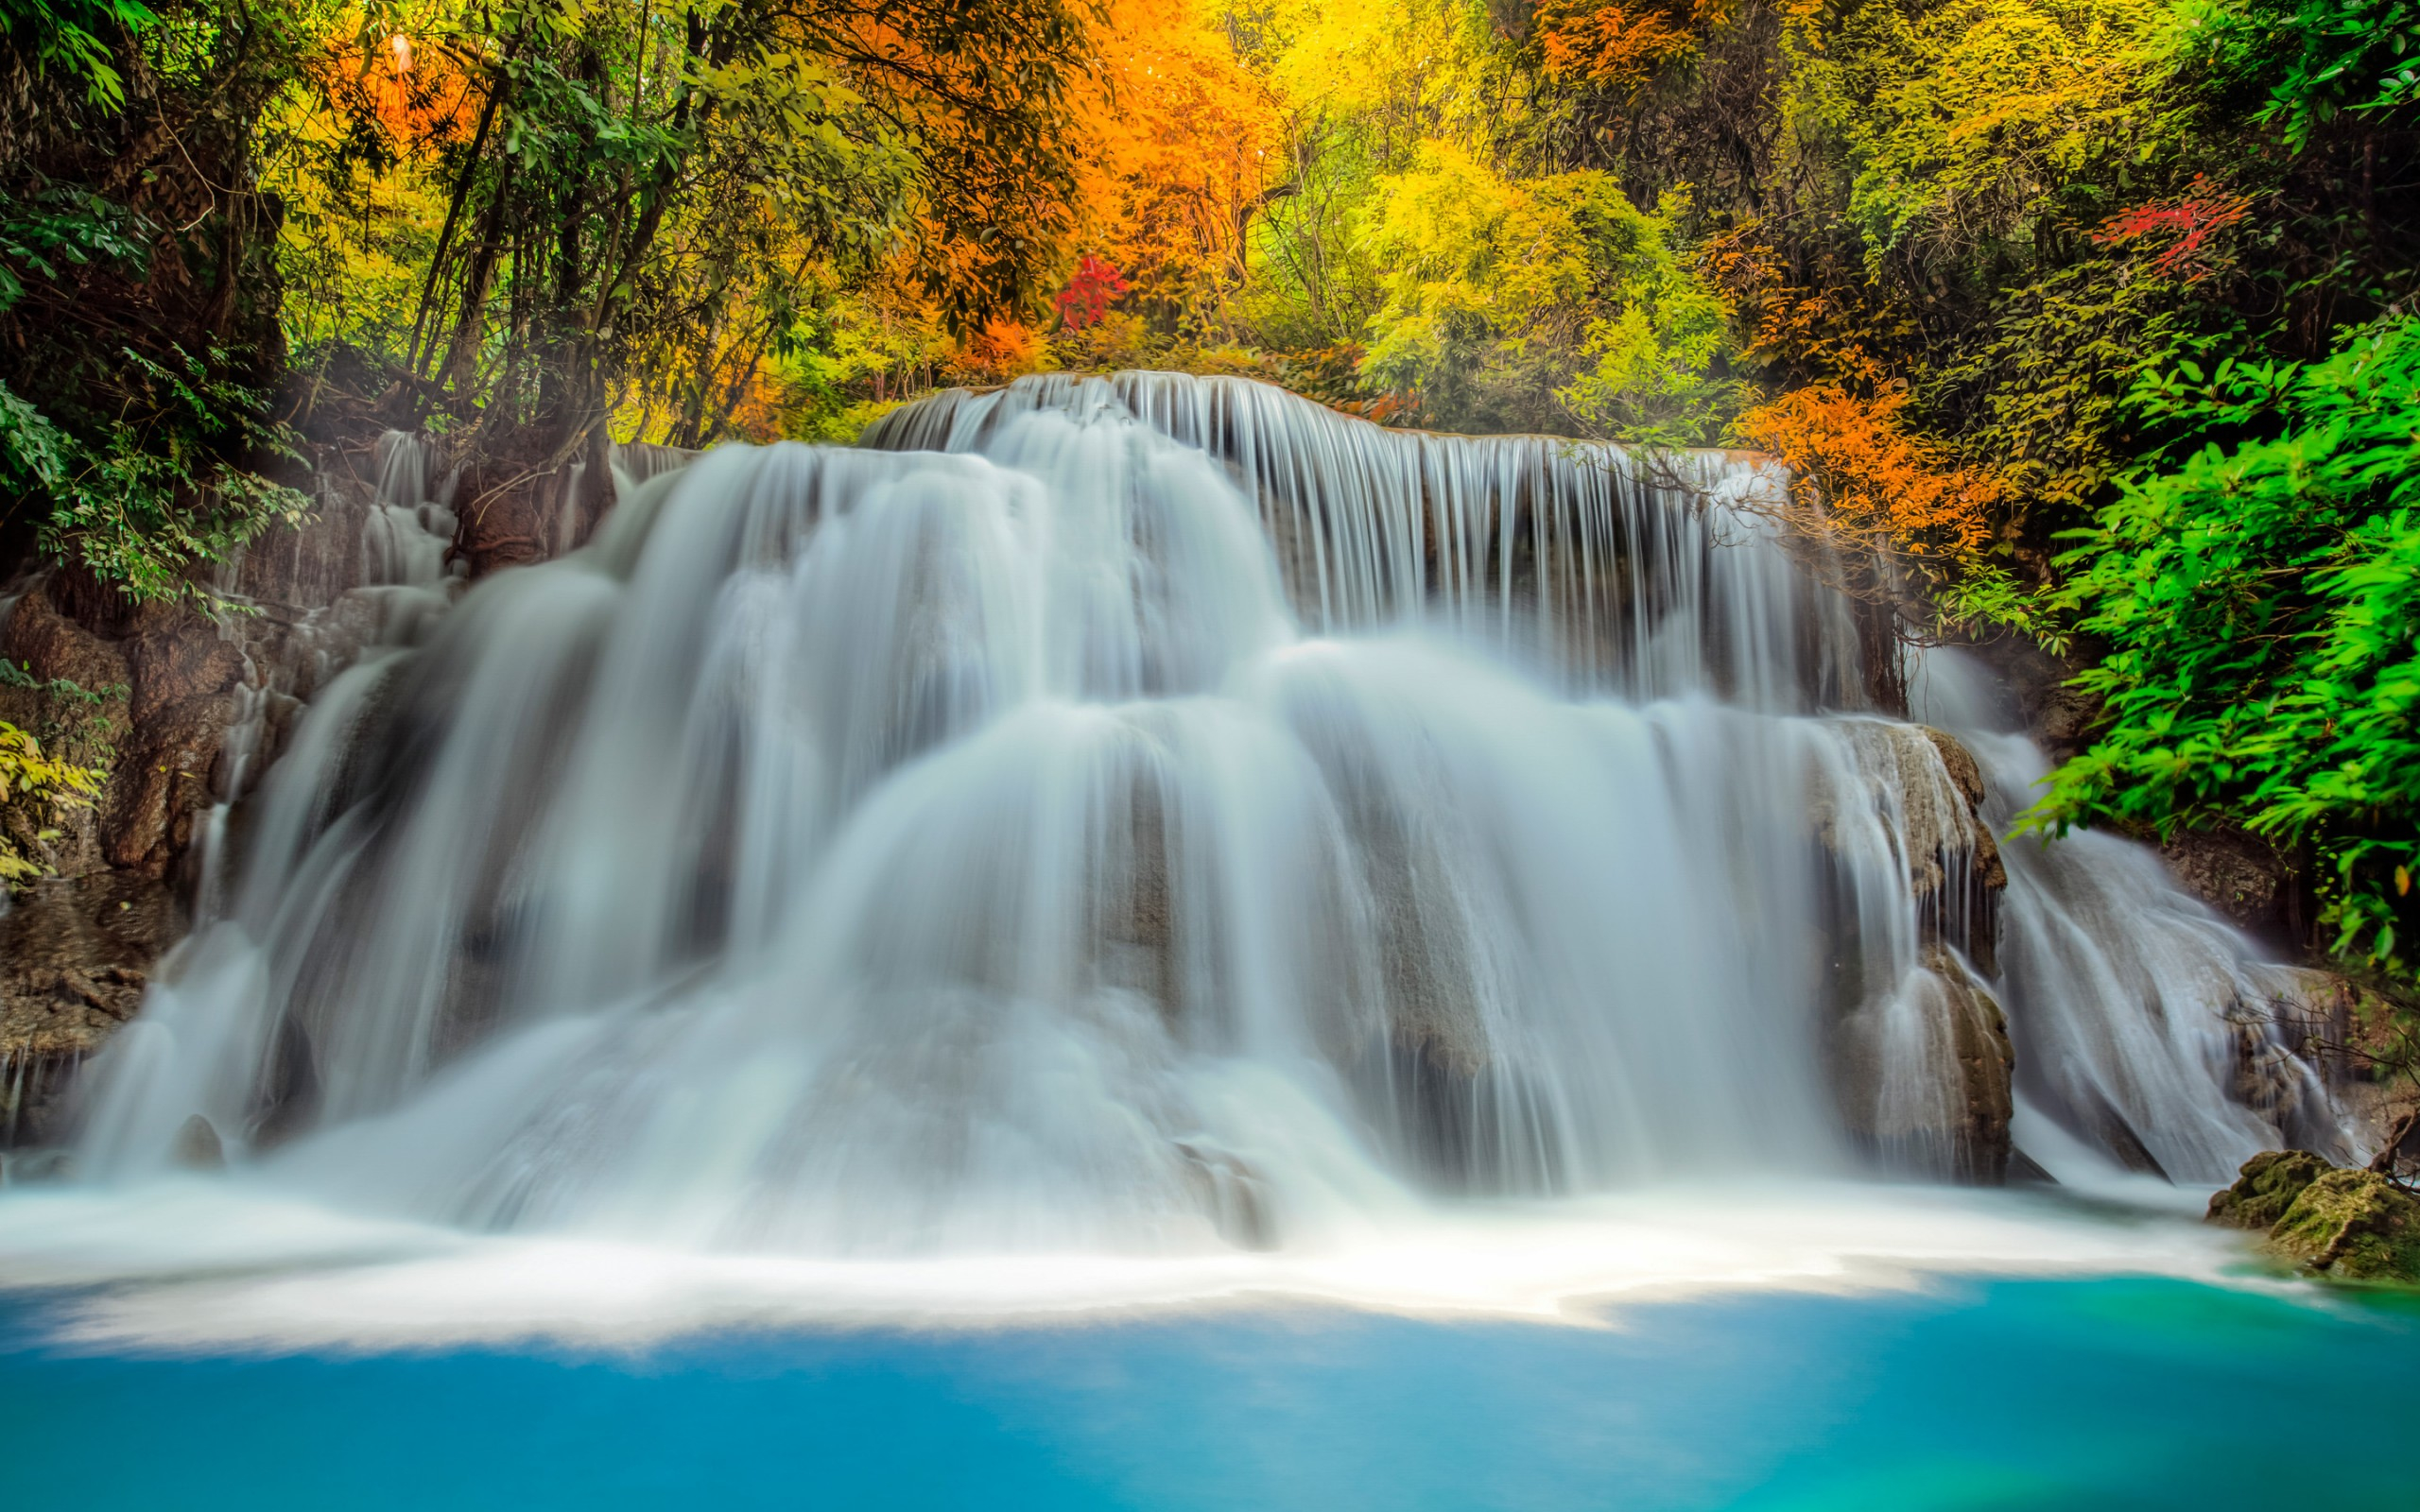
[1139, 813]
[2146, 1029]
[186, 711]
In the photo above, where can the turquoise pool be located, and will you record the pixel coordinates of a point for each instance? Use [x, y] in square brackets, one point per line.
[2110, 1393]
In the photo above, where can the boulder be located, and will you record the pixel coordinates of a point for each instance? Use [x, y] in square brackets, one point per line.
[2343, 1224]
[1928, 789]
[1926, 1077]
[1967, 775]
[2355, 1225]
[198, 1146]
[1920, 1054]
[2265, 1188]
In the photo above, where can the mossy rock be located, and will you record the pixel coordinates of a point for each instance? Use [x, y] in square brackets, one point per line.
[2357, 1225]
[2265, 1188]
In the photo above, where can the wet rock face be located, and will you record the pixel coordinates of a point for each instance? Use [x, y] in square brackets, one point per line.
[74, 957]
[2059, 716]
[1970, 922]
[150, 705]
[43, 647]
[2240, 875]
[2349, 1225]
[1921, 1065]
[1954, 1122]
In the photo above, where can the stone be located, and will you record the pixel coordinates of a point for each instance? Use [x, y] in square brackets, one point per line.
[162, 783]
[2353, 1224]
[198, 1145]
[76, 957]
[1953, 864]
[179, 658]
[1967, 775]
[1954, 1120]
[44, 643]
[2238, 873]
[2265, 1188]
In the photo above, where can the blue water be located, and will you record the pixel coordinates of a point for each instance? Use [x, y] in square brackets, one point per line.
[2107, 1394]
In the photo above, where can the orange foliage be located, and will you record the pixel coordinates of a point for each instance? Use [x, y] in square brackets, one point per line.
[1000, 352]
[1188, 148]
[1860, 479]
[1809, 328]
[1622, 47]
[419, 97]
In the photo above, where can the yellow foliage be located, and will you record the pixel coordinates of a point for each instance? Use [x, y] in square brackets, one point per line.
[1958, 118]
[42, 785]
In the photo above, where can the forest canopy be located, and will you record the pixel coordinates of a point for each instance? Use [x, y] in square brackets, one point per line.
[2089, 320]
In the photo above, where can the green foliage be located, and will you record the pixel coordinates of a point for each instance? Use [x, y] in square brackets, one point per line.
[2044, 380]
[66, 690]
[75, 37]
[2306, 61]
[114, 502]
[64, 227]
[2260, 602]
[151, 502]
[1553, 304]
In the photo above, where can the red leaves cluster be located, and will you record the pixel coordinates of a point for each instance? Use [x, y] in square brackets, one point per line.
[2192, 217]
[1088, 295]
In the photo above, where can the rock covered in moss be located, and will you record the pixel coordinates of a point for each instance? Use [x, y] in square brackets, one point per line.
[2352, 1225]
[2265, 1188]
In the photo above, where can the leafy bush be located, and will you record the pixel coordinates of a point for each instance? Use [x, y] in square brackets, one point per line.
[74, 36]
[151, 501]
[1553, 304]
[31, 781]
[2308, 61]
[2260, 601]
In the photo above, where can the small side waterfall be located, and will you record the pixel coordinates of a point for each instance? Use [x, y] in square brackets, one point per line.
[404, 582]
[1139, 814]
[2148, 1029]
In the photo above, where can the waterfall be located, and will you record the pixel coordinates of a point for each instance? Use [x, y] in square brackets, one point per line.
[1142, 815]
[402, 582]
[2149, 1032]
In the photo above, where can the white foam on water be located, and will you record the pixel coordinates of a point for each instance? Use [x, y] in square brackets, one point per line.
[197, 1266]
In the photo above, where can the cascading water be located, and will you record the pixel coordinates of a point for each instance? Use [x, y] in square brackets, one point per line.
[404, 582]
[2148, 1031]
[1137, 814]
